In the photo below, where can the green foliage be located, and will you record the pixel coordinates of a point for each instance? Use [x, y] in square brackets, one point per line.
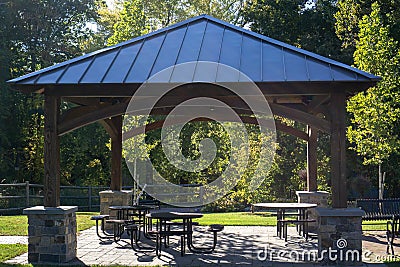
[53, 36]
[30, 42]
[376, 113]
[139, 17]
[276, 19]
[351, 12]
[228, 10]
[85, 157]
[309, 26]
[131, 22]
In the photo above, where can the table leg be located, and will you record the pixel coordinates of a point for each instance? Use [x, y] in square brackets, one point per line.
[278, 223]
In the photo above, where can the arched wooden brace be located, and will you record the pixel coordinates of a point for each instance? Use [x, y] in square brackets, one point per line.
[110, 116]
[84, 118]
[248, 120]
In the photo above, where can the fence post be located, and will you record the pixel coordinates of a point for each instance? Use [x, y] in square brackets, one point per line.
[90, 197]
[27, 193]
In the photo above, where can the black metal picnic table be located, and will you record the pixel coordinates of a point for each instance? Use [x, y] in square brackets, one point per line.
[164, 230]
[126, 217]
[282, 208]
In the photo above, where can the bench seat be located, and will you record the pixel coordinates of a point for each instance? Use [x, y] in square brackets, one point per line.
[387, 210]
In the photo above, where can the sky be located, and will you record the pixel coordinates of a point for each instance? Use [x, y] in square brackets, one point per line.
[110, 3]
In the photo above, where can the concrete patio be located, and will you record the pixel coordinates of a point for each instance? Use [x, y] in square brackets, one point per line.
[238, 246]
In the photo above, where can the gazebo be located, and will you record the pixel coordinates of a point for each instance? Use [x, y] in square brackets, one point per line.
[298, 85]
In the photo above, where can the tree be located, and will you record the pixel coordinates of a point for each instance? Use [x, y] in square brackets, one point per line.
[131, 22]
[350, 12]
[376, 113]
[30, 42]
[300, 23]
[139, 17]
[228, 10]
[279, 19]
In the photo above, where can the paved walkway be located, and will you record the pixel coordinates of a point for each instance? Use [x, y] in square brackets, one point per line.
[7, 239]
[238, 246]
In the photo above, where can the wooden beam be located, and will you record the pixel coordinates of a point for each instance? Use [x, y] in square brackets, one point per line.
[300, 116]
[51, 152]
[289, 100]
[166, 104]
[316, 102]
[88, 118]
[76, 112]
[268, 88]
[110, 127]
[290, 130]
[312, 159]
[85, 101]
[116, 155]
[338, 149]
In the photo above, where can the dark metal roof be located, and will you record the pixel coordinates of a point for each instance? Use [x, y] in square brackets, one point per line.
[202, 38]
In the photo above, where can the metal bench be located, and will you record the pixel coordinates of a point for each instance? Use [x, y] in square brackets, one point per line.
[133, 230]
[118, 227]
[102, 219]
[215, 229]
[383, 209]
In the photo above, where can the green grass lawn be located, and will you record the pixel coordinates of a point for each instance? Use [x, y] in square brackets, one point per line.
[238, 219]
[10, 251]
[14, 225]
[374, 225]
[265, 219]
[18, 224]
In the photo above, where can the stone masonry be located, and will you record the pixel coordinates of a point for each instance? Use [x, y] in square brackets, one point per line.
[51, 234]
[340, 234]
[315, 197]
[114, 198]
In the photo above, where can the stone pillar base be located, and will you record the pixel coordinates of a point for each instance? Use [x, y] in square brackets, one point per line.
[340, 235]
[52, 234]
[315, 197]
[114, 198]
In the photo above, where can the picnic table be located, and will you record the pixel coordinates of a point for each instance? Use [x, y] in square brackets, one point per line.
[281, 216]
[128, 215]
[185, 231]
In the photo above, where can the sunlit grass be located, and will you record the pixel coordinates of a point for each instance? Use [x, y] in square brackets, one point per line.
[9, 251]
[238, 219]
[18, 224]
[374, 225]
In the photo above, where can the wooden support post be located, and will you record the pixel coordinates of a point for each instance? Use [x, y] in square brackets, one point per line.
[116, 155]
[51, 152]
[312, 159]
[338, 149]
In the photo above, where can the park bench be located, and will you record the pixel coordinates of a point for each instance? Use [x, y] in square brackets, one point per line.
[383, 209]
